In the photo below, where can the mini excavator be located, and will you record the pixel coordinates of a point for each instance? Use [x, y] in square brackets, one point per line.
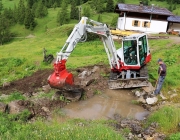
[127, 64]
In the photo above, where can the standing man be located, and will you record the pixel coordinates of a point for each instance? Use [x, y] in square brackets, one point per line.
[162, 75]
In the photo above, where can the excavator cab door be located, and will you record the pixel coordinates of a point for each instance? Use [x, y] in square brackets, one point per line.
[143, 49]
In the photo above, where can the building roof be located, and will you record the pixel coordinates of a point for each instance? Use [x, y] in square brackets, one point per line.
[173, 18]
[142, 9]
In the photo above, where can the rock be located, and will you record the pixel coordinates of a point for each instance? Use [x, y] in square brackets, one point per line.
[45, 109]
[149, 88]
[6, 84]
[141, 100]
[87, 82]
[27, 94]
[150, 138]
[46, 88]
[173, 95]
[139, 135]
[4, 97]
[57, 95]
[3, 107]
[162, 96]
[179, 124]
[95, 68]
[73, 94]
[15, 107]
[84, 74]
[152, 100]
[137, 93]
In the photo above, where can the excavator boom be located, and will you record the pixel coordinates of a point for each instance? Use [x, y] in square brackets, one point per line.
[128, 69]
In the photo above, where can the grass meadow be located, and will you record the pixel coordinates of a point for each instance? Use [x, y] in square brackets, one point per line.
[23, 56]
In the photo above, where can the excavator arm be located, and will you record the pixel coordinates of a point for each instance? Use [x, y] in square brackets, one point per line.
[128, 69]
[61, 76]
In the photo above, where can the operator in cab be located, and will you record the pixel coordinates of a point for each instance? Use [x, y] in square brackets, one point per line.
[132, 51]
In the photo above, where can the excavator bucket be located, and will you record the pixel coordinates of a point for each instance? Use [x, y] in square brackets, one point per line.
[59, 80]
[63, 80]
[128, 83]
[61, 77]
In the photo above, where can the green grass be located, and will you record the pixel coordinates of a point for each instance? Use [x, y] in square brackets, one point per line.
[69, 130]
[12, 97]
[10, 3]
[167, 118]
[23, 56]
[168, 51]
[175, 136]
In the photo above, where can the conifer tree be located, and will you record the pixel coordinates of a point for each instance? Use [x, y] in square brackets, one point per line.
[87, 11]
[99, 19]
[4, 29]
[8, 14]
[62, 16]
[99, 6]
[41, 10]
[30, 3]
[1, 6]
[15, 14]
[110, 6]
[29, 21]
[21, 12]
[74, 11]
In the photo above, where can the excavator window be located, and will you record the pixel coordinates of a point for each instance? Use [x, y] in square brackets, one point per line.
[130, 53]
[142, 50]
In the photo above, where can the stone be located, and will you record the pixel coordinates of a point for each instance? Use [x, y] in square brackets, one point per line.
[137, 93]
[173, 95]
[15, 108]
[152, 100]
[148, 88]
[3, 107]
[141, 100]
[46, 88]
[6, 84]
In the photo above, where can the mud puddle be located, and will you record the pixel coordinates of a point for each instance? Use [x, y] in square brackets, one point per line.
[105, 105]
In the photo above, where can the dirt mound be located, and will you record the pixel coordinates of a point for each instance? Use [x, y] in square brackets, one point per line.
[28, 84]
[32, 86]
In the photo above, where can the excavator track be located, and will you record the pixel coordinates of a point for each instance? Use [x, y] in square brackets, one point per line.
[131, 83]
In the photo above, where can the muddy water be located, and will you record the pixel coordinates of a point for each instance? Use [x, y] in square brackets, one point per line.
[105, 105]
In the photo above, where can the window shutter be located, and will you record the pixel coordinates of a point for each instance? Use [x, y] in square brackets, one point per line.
[143, 24]
[148, 24]
[139, 23]
[133, 22]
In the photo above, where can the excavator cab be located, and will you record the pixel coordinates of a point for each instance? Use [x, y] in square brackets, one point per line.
[136, 50]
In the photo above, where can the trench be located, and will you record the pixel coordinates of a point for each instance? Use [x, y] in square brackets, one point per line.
[105, 105]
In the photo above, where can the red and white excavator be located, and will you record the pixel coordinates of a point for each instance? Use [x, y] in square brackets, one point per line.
[127, 64]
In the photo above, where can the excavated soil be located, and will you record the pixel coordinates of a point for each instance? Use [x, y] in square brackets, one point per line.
[28, 84]
[32, 86]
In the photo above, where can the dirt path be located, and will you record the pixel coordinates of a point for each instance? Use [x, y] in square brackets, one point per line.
[175, 39]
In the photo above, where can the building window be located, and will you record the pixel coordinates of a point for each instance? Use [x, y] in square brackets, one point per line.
[146, 24]
[136, 23]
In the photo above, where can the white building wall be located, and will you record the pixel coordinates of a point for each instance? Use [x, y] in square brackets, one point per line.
[155, 26]
[121, 23]
[175, 26]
